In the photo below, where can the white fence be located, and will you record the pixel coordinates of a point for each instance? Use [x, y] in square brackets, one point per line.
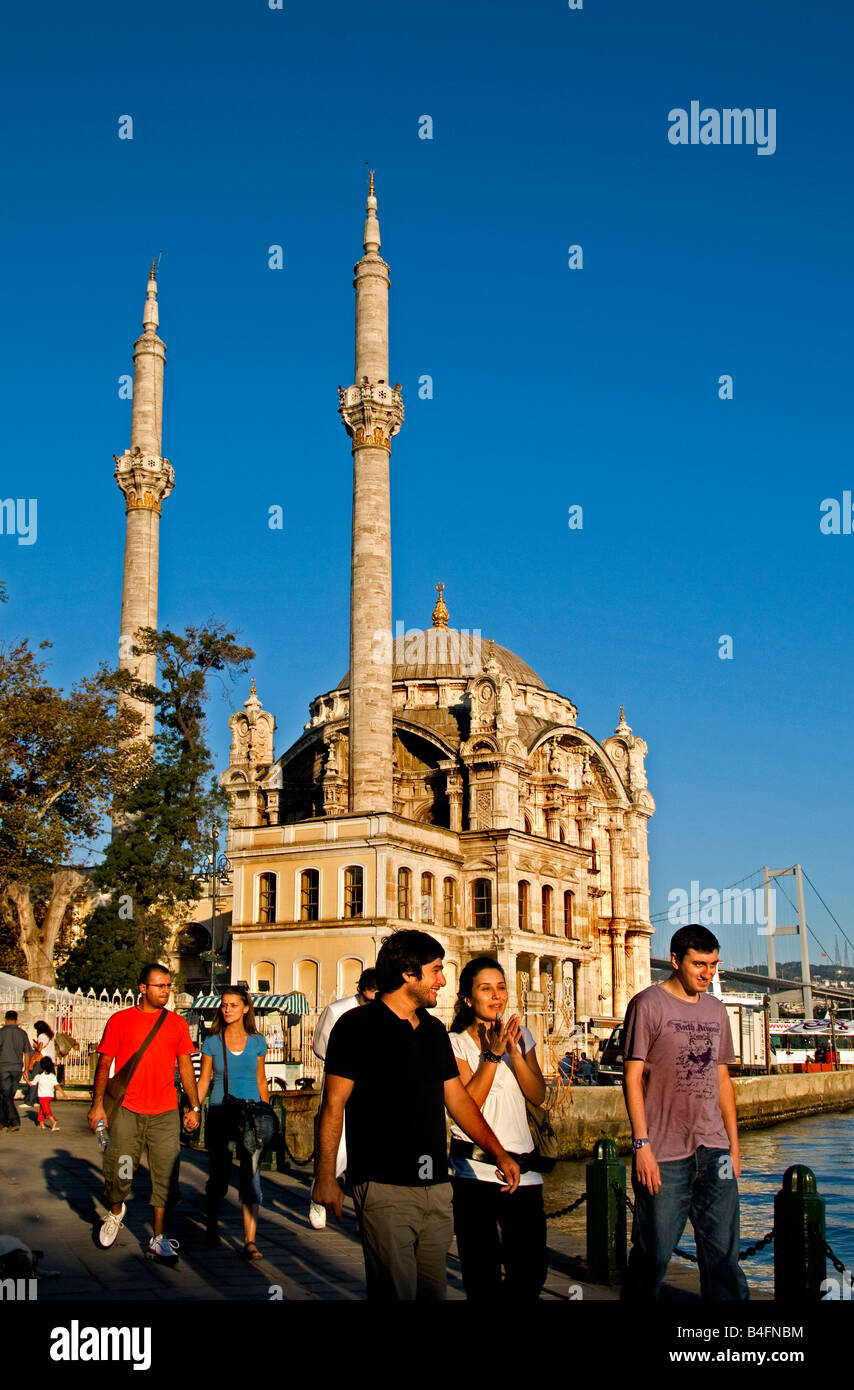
[82, 1016]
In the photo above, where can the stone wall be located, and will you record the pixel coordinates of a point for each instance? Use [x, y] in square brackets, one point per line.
[595, 1112]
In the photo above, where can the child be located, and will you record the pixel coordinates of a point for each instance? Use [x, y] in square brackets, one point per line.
[47, 1085]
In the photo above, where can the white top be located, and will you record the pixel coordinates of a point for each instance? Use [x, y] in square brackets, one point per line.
[327, 1022]
[48, 1047]
[47, 1083]
[504, 1111]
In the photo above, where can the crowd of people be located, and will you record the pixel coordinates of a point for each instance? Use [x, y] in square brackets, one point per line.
[392, 1071]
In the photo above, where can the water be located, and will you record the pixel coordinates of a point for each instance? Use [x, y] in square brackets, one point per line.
[824, 1143]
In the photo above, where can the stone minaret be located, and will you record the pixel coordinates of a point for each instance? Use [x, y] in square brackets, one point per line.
[372, 412]
[145, 478]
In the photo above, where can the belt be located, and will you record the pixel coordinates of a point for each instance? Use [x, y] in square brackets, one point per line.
[460, 1148]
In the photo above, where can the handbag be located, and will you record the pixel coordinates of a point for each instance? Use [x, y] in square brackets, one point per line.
[252, 1124]
[545, 1140]
[116, 1087]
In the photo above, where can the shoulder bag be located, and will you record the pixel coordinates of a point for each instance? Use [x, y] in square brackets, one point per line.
[252, 1124]
[543, 1134]
[117, 1085]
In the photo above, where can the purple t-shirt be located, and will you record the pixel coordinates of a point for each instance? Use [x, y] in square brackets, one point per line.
[682, 1045]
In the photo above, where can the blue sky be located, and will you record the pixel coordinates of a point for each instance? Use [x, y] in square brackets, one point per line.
[552, 387]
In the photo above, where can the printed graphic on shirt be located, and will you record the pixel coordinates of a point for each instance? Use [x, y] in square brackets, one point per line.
[696, 1069]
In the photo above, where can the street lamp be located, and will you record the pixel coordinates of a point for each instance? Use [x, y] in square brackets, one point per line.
[216, 871]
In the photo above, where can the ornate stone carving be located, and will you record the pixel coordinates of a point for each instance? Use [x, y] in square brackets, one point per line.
[144, 479]
[372, 412]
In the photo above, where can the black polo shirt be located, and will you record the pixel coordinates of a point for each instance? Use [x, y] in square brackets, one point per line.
[395, 1116]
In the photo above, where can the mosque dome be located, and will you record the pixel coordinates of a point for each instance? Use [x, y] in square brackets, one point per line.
[444, 653]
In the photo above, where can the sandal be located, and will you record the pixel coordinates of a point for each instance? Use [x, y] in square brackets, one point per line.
[251, 1251]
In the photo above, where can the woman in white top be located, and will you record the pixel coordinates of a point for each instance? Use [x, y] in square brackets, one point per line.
[499, 1069]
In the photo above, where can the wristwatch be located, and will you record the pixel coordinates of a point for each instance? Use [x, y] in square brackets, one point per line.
[488, 1056]
[639, 1144]
[195, 1109]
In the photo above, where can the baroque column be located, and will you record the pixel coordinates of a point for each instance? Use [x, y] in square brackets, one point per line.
[372, 412]
[145, 478]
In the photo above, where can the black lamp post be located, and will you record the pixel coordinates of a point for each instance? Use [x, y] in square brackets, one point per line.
[215, 871]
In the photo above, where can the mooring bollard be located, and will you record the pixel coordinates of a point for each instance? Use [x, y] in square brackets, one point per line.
[606, 1214]
[800, 1263]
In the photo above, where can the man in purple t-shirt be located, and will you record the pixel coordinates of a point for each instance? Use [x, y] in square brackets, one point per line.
[676, 1045]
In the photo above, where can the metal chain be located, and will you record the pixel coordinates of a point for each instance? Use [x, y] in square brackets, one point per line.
[758, 1245]
[623, 1196]
[303, 1162]
[816, 1233]
[564, 1211]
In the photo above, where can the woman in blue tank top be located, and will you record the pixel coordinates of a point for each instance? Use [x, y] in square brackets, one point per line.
[235, 1026]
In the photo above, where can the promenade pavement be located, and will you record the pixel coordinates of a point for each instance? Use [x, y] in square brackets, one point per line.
[51, 1199]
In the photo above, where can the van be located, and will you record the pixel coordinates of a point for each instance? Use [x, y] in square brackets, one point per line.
[611, 1059]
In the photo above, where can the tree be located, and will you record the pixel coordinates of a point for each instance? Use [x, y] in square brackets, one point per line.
[63, 761]
[150, 868]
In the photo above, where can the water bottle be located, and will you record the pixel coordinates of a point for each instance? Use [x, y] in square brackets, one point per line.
[102, 1135]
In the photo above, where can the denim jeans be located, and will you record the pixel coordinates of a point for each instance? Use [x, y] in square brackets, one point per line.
[702, 1188]
[9, 1117]
[219, 1153]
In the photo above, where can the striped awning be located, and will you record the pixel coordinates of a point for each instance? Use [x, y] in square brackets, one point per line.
[285, 1003]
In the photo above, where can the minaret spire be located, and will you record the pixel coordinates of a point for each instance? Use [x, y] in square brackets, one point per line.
[372, 412]
[145, 478]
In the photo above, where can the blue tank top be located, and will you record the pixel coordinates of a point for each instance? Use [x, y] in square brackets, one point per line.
[242, 1069]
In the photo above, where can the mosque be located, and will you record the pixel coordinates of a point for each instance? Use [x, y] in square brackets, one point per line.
[440, 784]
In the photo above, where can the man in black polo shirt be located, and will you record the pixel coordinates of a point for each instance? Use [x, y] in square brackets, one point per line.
[391, 1065]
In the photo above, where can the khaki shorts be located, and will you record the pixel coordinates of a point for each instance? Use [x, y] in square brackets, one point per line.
[131, 1134]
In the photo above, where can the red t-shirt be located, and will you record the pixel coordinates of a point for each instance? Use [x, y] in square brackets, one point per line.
[152, 1087]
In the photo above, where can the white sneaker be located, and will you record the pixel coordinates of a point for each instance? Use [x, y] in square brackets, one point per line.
[317, 1216]
[110, 1227]
[162, 1248]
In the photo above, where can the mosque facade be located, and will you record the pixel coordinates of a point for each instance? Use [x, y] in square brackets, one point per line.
[440, 784]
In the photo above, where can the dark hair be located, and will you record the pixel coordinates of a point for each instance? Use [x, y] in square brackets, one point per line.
[464, 1014]
[404, 953]
[146, 972]
[367, 980]
[11, 1016]
[46, 1064]
[42, 1027]
[693, 937]
[219, 1024]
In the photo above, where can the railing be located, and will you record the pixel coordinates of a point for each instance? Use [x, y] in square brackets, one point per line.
[82, 1016]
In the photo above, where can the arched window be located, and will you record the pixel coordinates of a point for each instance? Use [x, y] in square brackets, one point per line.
[449, 902]
[305, 980]
[426, 897]
[404, 894]
[267, 898]
[354, 891]
[547, 911]
[349, 970]
[529, 829]
[309, 905]
[524, 914]
[567, 913]
[482, 904]
[264, 977]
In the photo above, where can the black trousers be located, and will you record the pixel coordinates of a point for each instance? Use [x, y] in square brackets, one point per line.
[481, 1211]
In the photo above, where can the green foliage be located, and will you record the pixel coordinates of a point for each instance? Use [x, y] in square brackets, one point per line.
[151, 866]
[61, 765]
[108, 956]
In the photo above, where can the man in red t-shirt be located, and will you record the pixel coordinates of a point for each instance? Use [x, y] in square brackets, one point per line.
[148, 1117]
